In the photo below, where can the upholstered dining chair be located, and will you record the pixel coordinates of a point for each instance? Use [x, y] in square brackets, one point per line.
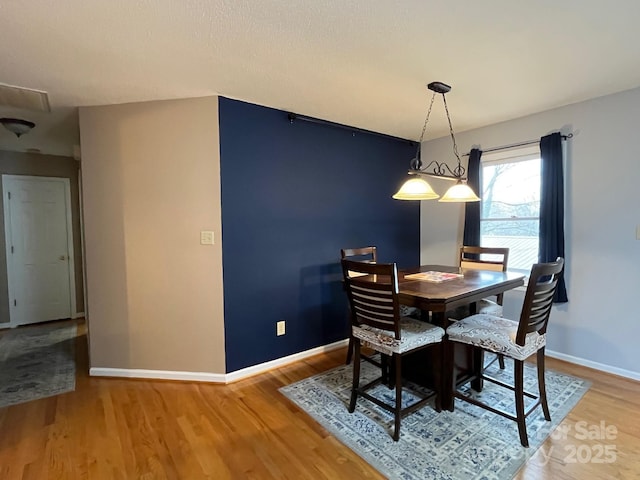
[514, 339]
[487, 258]
[476, 258]
[372, 289]
[364, 254]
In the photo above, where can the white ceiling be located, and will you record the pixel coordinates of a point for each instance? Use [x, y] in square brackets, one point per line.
[364, 63]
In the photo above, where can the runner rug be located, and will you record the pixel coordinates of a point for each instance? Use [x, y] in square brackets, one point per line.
[36, 362]
[469, 443]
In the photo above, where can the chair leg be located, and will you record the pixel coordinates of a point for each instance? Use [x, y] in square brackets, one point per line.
[518, 373]
[386, 372]
[356, 377]
[501, 361]
[541, 385]
[398, 409]
[478, 366]
[350, 350]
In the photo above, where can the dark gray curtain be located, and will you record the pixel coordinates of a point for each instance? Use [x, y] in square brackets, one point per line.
[472, 209]
[551, 235]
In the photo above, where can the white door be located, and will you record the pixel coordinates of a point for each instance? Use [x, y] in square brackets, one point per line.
[39, 248]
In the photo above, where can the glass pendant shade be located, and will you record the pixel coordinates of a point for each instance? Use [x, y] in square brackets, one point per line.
[460, 192]
[415, 189]
[418, 189]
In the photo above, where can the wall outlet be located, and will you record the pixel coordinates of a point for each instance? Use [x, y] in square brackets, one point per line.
[206, 237]
[280, 328]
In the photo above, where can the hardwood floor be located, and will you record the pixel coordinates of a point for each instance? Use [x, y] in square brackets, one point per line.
[138, 429]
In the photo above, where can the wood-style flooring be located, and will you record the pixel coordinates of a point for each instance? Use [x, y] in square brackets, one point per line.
[138, 429]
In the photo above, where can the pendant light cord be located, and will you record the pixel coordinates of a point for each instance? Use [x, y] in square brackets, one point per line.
[426, 120]
[416, 163]
[459, 170]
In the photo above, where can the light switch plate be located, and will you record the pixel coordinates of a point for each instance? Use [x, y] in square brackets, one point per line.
[638, 232]
[206, 237]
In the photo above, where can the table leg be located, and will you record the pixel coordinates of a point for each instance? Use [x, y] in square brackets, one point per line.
[447, 379]
[456, 364]
[439, 319]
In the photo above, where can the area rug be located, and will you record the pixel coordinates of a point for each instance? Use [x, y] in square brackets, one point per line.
[36, 362]
[469, 443]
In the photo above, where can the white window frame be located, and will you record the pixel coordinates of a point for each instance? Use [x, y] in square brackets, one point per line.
[513, 155]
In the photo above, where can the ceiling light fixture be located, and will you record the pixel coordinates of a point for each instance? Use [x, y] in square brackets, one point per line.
[17, 126]
[416, 188]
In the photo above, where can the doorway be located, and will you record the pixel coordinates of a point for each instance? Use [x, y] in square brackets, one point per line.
[39, 249]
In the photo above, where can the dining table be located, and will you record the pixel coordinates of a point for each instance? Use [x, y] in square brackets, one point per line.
[439, 292]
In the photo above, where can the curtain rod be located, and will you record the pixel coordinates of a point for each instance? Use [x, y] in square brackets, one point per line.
[514, 145]
[294, 117]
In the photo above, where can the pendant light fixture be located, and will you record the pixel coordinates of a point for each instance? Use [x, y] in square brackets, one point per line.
[416, 188]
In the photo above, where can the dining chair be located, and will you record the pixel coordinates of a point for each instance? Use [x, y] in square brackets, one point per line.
[370, 254]
[364, 254]
[514, 339]
[372, 289]
[487, 258]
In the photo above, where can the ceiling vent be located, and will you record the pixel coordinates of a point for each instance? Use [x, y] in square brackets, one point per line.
[25, 98]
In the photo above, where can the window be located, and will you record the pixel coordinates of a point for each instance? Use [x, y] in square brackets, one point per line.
[510, 208]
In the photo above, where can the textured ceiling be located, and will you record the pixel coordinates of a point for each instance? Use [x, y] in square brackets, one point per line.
[363, 63]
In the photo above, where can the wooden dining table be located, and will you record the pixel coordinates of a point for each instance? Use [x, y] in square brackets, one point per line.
[438, 302]
[439, 298]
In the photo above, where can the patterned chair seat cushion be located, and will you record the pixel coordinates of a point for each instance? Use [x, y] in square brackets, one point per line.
[484, 305]
[495, 334]
[406, 311]
[489, 307]
[414, 334]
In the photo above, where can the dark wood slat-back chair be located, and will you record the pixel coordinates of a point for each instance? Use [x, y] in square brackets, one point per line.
[369, 254]
[364, 254]
[476, 258]
[372, 289]
[516, 340]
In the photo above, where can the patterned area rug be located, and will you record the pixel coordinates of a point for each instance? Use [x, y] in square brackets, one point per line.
[469, 443]
[36, 362]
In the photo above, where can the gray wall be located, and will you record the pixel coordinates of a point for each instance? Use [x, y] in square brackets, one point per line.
[33, 164]
[599, 326]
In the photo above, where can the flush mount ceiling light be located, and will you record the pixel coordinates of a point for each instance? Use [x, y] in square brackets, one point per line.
[17, 126]
[416, 188]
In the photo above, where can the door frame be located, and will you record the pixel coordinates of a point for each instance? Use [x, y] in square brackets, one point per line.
[6, 179]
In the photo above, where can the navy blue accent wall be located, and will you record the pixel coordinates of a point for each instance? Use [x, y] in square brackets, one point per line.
[293, 195]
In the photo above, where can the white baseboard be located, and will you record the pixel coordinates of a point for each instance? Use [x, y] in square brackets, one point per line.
[157, 374]
[13, 325]
[279, 362]
[213, 377]
[595, 365]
